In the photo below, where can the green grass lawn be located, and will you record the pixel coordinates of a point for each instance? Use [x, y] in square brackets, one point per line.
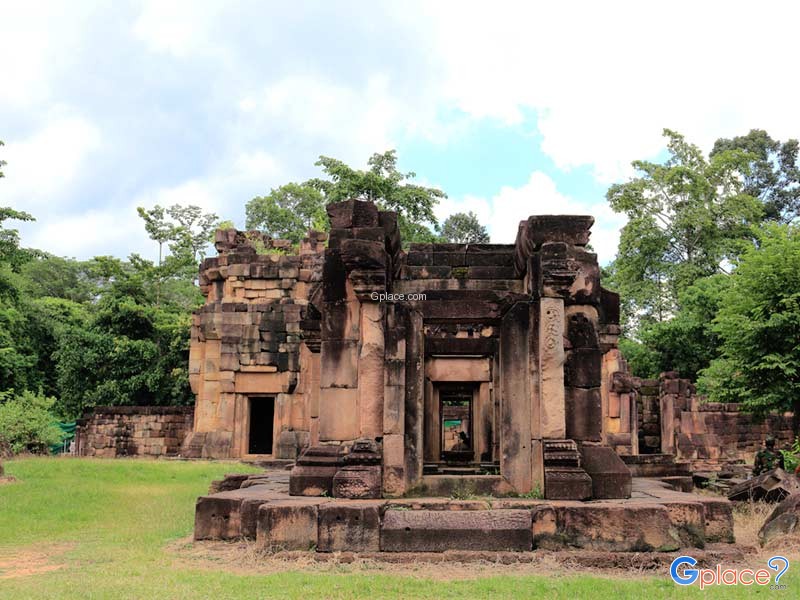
[108, 524]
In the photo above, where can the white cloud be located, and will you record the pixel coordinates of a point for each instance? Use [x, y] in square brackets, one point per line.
[43, 166]
[604, 79]
[248, 95]
[177, 27]
[539, 196]
[90, 233]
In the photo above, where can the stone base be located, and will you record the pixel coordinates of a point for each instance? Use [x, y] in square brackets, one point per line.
[358, 482]
[655, 519]
[610, 477]
[313, 474]
[567, 484]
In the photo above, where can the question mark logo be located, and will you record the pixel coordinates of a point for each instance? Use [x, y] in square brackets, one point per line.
[774, 563]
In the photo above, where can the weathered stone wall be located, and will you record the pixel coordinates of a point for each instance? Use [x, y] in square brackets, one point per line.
[112, 431]
[249, 339]
[674, 419]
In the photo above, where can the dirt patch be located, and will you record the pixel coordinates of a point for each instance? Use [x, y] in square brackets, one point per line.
[7, 479]
[26, 562]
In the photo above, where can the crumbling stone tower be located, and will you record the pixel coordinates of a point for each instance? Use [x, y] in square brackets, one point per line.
[482, 366]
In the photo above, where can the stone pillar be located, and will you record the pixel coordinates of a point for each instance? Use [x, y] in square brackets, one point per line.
[371, 371]
[551, 368]
[394, 392]
[515, 408]
[339, 418]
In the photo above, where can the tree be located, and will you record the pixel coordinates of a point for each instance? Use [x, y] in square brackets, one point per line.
[686, 343]
[288, 212]
[193, 231]
[687, 218]
[12, 256]
[16, 355]
[759, 327]
[157, 227]
[186, 231]
[383, 184]
[773, 174]
[131, 352]
[26, 424]
[464, 228]
[2, 162]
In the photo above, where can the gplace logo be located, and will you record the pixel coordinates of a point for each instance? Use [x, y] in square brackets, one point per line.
[719, 576]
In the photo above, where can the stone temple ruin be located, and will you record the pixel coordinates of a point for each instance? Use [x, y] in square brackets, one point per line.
[401, 379]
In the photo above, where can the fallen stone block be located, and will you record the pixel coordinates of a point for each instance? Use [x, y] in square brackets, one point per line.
[718, 520]
[438, 531]
[784, 521]
[772, 486]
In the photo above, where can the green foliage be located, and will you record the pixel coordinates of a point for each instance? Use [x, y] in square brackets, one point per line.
[773, 175]
[687, 343]
[130, 352]
[2, 162]
[759, 327]
[791, 457]
[290, 210]
[103, 331]
[26, 423]
[464, 228]
[686, 218]
[643, 361]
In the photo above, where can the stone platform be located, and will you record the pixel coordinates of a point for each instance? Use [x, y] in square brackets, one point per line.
[656, 518]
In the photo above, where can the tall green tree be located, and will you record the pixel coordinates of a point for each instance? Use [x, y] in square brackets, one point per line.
[773, 174]
[758, 324]
[289, 210]
[186, 231]
[687, 218]
[131, 352]
[464, 228]
[17, 357]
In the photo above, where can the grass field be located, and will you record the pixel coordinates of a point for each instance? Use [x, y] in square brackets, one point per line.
[112, 529]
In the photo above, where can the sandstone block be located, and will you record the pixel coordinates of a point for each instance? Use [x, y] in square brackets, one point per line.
[357, 482]
[352, 526]
[288, 525]
[612, 528]
[338, 414]
[438, 531]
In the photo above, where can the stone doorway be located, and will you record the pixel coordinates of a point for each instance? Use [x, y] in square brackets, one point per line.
[456, 402]
[262, 423]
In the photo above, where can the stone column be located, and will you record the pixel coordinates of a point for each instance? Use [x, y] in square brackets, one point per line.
[394, 388]
[551, 367]
[515, 407]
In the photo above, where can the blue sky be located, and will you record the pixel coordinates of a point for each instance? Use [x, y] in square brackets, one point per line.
[511, 108]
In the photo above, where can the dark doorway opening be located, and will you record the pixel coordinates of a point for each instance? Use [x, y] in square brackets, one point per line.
[456, 430]
[262, 418]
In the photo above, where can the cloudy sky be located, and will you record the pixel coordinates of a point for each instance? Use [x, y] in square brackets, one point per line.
[512, 109]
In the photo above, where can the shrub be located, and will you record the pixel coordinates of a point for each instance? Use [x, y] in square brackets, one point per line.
[26, 423]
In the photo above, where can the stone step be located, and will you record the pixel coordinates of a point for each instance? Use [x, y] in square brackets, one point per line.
[438, 531]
